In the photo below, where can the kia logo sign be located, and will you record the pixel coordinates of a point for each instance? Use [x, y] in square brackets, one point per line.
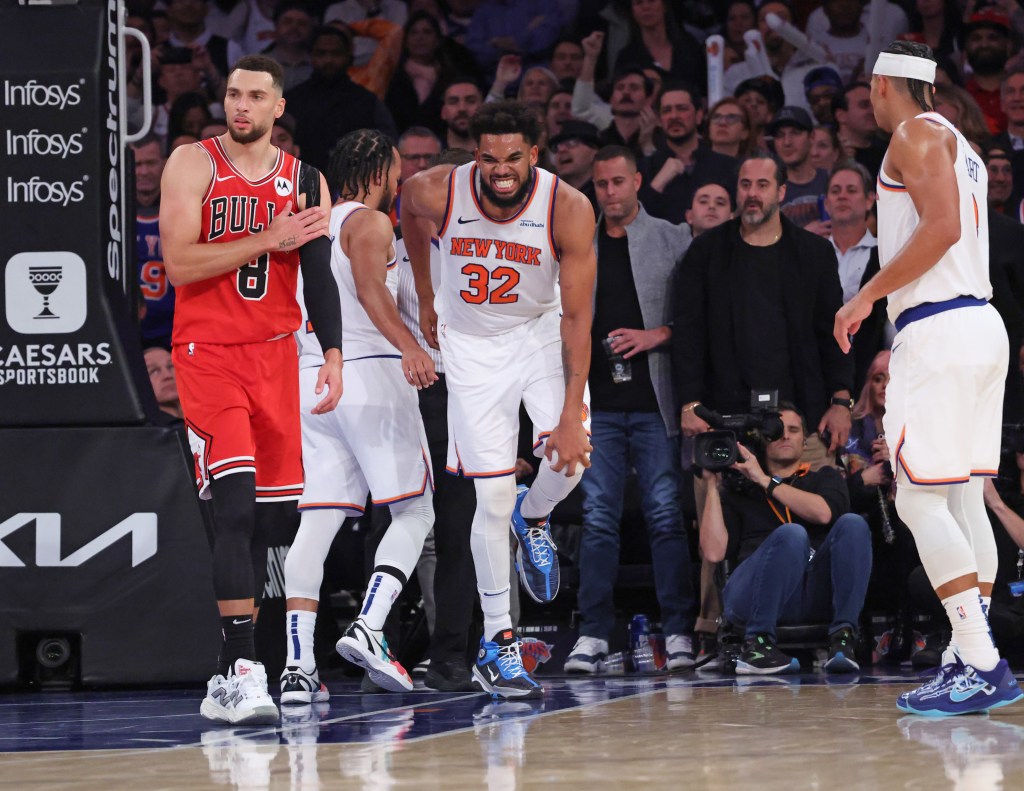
[141, 528]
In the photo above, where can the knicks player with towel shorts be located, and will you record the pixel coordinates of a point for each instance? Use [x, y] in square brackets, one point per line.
[374, 442]
[949, 362]
[233, 250]
[512, 319]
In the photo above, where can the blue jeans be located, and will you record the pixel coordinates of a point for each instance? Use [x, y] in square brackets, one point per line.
[777, 585]
[621, 439]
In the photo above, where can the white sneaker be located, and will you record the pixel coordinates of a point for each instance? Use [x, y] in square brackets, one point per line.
[587, 656]
[679, 650]
[242, 698]
[367, 648]
[298, 686]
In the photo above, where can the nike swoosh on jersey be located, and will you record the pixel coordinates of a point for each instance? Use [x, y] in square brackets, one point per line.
[225, 178]
[463, 222]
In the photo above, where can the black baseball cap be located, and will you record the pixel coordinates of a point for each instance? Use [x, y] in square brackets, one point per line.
[791, 116]
[576, 130]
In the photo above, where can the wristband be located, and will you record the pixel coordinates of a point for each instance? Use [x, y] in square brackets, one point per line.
[846, 402]
[773, 484]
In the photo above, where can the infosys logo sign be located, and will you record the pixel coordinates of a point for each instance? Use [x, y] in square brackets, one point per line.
[40, 94]
[36, 143]
[37, 190]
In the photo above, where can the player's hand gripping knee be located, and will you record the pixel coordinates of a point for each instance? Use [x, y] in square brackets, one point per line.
[329, 377]
[570, 441]
[290, 231]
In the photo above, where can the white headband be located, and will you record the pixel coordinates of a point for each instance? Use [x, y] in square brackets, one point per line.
[911, 67]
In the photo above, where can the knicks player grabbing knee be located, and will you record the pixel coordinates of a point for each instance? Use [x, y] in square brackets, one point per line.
[512, 320]
[374, 442]
[949, 360]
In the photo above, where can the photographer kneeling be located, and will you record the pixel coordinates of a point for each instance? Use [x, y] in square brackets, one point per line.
[797, 554]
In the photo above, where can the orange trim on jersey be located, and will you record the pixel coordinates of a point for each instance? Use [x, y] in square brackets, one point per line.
[447, 218]
[977, 226]
[551, 220]
[991, 473]
[263, 179]
[348, 506]
[913, 478]
[480, 208]
[891, 187]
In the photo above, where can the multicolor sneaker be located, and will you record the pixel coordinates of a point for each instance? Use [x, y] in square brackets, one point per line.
[760, 656]
[367, 648]
[960, 688]
[298, 686]
[587, 656]
[499, 669]
[242, 698]
[536, 555]
[679, 652]
[841, 649]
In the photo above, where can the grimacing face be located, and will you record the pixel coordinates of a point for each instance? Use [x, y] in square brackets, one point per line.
[505, 163]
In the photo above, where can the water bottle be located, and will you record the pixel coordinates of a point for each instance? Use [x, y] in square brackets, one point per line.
[640, 644]
[621, 368]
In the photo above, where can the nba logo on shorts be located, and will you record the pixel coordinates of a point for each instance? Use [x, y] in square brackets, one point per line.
[45, 293]
[962, 613]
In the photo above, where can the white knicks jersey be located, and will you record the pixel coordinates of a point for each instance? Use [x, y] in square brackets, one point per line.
[359, 337]
[496, 274]
[963, 270]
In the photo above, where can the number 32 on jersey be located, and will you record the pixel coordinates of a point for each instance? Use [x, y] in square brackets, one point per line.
[494, 286]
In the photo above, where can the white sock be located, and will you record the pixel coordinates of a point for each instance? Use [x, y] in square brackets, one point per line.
[381, 593]
[548, 490]
[300, 625]
[970, 629]
[495, 606]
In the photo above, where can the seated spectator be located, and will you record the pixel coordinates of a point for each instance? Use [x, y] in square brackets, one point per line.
[987, 47]
[729, 128]
[351, 12]
[527, 28]
[416, 92]
[798, 554]
[294, 24]
[790, 130]
[857, 129]
[213, 129]
[846, 38]
[633, 417]
[574, 149]
[558, 111]
[283, 135]
[848, 201]
[187, 27]
[894, 21]
[959, 107]
[825, 148]
[680, 162]
[566, 61]
[461, 99]
[188, 114]
[761, 97]
[419, 149]
[175, 75]
[329, 104]
[165, 387]
[939, 24]
[656, 39]
[739, 17]
[248, 25]
[820, 87]
[711, 206]
[1011, 101]
[537, 86]
[1000, 181]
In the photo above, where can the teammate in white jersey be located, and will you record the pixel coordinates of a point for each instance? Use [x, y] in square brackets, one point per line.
[949, 359]
[374, 442]
[512, 319]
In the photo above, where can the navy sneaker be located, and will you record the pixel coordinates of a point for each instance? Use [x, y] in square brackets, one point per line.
[536, 555]
[841, 649]
[960, 688]
[499, 669]
[761, 657]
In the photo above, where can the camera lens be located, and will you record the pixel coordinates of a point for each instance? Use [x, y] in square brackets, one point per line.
[719, 451]
[52, 652]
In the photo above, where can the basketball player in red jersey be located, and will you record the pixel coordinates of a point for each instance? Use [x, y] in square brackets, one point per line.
[242, 217]
[512, 320]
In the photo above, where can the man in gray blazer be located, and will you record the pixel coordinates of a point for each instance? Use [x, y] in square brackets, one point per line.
[633, 421]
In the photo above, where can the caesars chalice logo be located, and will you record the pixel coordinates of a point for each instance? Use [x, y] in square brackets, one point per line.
[45, 280]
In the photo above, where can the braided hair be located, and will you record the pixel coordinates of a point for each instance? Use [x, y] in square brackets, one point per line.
[921, 92]
[357, 159]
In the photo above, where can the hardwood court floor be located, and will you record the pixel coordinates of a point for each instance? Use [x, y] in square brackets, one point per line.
[690, 731]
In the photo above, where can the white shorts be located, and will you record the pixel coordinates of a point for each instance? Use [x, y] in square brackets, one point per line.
[944, 401]
[488, 376]
[373, 442]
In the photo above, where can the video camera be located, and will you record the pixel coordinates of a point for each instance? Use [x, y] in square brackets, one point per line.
[717, 450]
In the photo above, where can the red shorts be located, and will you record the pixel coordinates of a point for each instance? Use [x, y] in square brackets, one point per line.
[241, 405]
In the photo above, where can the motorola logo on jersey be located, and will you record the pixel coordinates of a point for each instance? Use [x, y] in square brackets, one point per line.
[37, 94]
[283, 186]
[141, 527]
[36, 190]
[45, 292]
[36, 143]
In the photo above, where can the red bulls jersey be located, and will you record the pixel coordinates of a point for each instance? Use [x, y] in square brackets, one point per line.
[257, 301]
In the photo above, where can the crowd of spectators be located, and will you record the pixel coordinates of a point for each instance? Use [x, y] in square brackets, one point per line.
[763, 197]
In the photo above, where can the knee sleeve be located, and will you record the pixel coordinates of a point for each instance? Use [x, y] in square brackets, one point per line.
[402, 543]
[304, 564]
[943, 547]
[489, 537]
[234, 511]
[967, 504]
[548, 490]
[268, 515]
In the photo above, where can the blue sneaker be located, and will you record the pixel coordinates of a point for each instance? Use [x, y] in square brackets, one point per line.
[536, 555]
[499, 669]
[960, 688]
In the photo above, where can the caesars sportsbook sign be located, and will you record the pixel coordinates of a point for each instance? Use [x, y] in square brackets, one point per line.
[62, 249]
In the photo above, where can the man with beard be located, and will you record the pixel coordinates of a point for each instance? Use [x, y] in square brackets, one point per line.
[329, 105]
[347, 456]
[462, 98]
[987, 47]
[233, 251]
[680, 162]
[791, 131]
[512, 320]
[752, 300]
